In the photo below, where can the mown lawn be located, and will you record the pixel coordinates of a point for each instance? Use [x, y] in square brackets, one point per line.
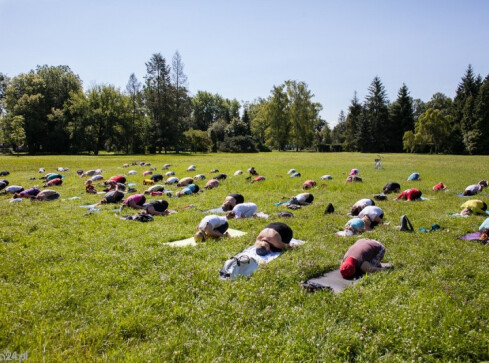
[94, 287]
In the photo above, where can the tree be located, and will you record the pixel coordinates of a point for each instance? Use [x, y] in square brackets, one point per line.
[338, 134]
[182, 103]
[217, 132]
[198, 140]
[402, 118]
[133, 89]
[463, 105]
[277, 118]
[157, 96]
[377, 113]
[303, 114]
[352, 126]
[207, 109]
[12, 130]
[479, 144]
[431, 131]
[4, 80]
[38, 97]
[365, 138]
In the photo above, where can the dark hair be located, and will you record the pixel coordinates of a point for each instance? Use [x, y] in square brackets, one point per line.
[484, 206]
[283, 230]
[310, 198]
[196, 188]
[483, 183]
[164, 203]
[237, 197]
[355, 210]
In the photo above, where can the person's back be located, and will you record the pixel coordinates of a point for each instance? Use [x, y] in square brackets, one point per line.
[114, 196]
[245, 210]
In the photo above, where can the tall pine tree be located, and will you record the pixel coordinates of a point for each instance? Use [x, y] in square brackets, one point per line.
[402, 118]
[377, 113]
[353, 121]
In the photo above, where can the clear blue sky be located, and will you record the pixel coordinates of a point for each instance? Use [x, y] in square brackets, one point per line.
[241, 49]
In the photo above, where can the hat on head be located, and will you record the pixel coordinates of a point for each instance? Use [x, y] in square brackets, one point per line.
[348, 268]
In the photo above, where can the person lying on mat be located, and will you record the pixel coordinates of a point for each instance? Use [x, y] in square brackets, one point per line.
[302, 199]
[473, 206]
[211, 226]
[353, 178]
[475, 188]
[113, 196]
[308, 184]
[231, 201]
[392, 187]
[46, 195]
[190, 189]
[134, 201]
[156, 207]
[242, 210]
[155, 188]
[28, 193]
[211, 184]
[185, 181]
[414, 176]
[410, 194]
[375, 216]
[357, 225]
[360, 205]
[439, 186]
[273, 238]
[363, 256]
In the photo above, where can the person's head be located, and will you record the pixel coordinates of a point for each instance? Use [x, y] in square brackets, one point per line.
[16, 195]
[309, 198]
[484, 237]
[274, 237]
[355, 210]
[348, 268]
[164, 203]
[484, 206]
[199, 236]
[483, 184]
[230, 215]
[466, 212]
[366, 222]
[196, 188]
[89, 182]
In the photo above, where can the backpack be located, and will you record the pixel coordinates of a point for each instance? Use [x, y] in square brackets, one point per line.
[406, 225]
[329, 209]
[238, 265]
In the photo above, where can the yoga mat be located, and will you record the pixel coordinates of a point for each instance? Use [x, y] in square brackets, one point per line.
[232, 268]
[90, 207]
[464, 196]
[191, 242]
[251, 252]
[345, 233]
[15, 200]
[215, 210]
[334, 281]
[471, 236]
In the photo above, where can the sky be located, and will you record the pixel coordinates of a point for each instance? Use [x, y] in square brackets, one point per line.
[241, 49]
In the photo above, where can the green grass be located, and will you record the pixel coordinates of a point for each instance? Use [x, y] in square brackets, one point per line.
[75, 287]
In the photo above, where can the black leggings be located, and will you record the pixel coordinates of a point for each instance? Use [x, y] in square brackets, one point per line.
[222, 228]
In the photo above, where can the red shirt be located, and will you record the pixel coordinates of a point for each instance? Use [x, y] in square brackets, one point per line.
[410, 194]
[118, 179]
[439, 186]
[309, 184]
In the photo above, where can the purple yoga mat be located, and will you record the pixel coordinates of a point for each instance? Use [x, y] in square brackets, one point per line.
[471, 236]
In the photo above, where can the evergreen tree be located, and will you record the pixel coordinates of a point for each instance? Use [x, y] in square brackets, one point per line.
[353, 121]
[402, 118]
[157, 93]
[377, 113]
[133, 89]
[481, 127]
[338, 135]
[463, 107]
[365, 139]
[181, 101]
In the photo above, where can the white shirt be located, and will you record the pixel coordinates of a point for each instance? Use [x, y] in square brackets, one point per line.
[213, 220]
[172, 180]
[14, 189]
[245, 210]
[302, 197]
[473, 188]
[363, 202]
[371, 211]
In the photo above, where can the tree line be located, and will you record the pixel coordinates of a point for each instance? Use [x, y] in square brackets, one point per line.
[47, 111]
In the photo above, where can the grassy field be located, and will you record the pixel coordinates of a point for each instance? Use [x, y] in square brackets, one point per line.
[94, 287]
